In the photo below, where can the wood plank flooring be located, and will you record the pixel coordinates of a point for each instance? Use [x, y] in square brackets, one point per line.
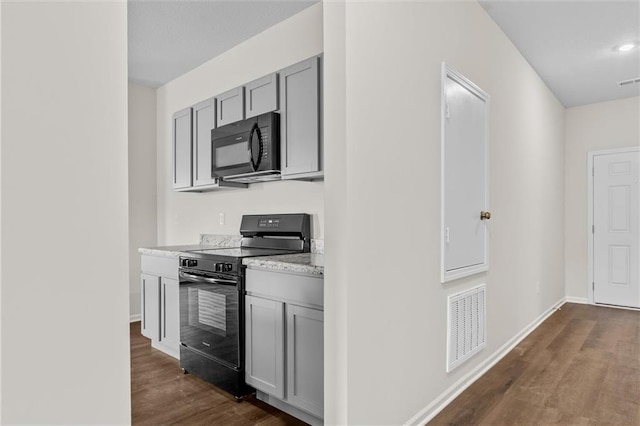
[161, 394]
[580, 367]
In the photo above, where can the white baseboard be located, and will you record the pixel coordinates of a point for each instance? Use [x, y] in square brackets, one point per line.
[581, 300]
[445, 398]
[135, 318]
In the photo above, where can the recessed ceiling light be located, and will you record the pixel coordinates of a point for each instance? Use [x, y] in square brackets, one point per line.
[625, 47]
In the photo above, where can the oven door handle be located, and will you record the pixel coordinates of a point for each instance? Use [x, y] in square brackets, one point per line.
[200, 278]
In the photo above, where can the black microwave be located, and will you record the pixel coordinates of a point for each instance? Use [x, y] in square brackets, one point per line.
[248, 150]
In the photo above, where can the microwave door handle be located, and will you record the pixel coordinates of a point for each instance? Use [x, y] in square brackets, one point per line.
[200, 278]
[255, 164]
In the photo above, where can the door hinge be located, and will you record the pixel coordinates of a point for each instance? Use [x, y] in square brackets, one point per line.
[593, 229]
[446, 111]
[593, 286]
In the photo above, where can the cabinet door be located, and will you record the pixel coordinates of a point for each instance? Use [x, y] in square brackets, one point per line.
[230, 106]
[305, 359]
[262, 95]
[300, 118]
[182, 134]
[150, 306]
[170, 313]
[264, 360]
[204, 115]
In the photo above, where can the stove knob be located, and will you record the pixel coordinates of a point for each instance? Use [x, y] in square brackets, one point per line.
[192, 262]
[218, 267]
[227, 267]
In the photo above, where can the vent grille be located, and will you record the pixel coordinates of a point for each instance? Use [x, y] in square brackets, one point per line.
[628, 82]
[466, 322]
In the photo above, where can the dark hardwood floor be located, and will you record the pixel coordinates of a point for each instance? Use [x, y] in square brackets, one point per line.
[161, 394]
[580, 367]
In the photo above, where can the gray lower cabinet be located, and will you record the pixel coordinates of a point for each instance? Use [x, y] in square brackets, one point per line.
[305, 360]
[150, 312]
[300, 120]
[160, 313]
[170, 314]
[285, 341]
[264, 361]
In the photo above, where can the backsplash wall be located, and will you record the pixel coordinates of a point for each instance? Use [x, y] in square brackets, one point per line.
[182, 217]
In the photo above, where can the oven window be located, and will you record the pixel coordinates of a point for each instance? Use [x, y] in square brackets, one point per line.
[231, 155]
[210, 310]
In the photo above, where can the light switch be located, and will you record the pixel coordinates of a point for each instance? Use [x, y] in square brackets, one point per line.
[221, 218]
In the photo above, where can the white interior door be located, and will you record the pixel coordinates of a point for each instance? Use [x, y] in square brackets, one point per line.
[464, 248]
[616, 223]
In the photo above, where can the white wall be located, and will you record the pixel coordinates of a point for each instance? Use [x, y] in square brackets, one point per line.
[0, 210]
[183, 216]
[386, 262]
[336, 277]
[65, 340]
[143, 222]
[606, 125]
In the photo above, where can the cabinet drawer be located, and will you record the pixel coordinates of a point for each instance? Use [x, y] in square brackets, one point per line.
[160, 266]
[302, 289]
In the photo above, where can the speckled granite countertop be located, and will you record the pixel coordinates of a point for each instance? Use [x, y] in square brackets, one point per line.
[303, 263]
[207, 241]
[172, 251]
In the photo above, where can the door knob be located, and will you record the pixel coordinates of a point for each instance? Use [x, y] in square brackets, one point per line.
[485, 215]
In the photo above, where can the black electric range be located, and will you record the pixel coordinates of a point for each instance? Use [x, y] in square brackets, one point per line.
[212, 297]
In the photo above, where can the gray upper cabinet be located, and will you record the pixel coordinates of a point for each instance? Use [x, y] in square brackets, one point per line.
[192, 150]
[204, 116]
[182, 148]
[300, 126]
[261, 95]
[230, 106]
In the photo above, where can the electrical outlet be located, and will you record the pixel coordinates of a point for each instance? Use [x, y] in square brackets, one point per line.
[221, 218]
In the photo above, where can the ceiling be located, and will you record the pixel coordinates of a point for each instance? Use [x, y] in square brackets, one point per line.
[570, 43]
[168, 38]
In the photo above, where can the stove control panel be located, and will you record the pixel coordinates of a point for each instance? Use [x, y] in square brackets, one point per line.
[269, 223]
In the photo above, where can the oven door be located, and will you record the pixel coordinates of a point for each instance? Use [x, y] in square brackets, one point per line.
[210, 315]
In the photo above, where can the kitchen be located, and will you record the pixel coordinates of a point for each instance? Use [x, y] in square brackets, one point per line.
[362, 215]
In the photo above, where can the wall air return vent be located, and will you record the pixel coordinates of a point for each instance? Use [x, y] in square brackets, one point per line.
[628, 82]
[466, 323]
